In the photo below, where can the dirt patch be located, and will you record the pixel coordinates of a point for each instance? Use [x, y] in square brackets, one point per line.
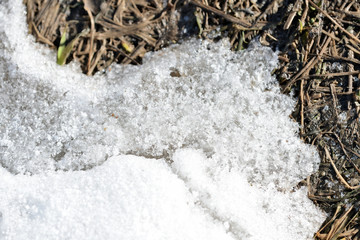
[318, 48]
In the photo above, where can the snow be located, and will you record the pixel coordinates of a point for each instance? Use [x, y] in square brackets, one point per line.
[118, 200]
[194, 144]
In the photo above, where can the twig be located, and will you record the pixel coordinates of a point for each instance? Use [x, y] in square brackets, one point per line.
[351, 60]
[308, 66]
[351, 69]
[353, 49]
[304, 15]
[338, 225]
[355, 153]
[329, 75]
[293, 80]
[334, 21]
[302, 107]
[331, 220]
[92, 33]
[333, 94]
[293, 13]
[330, 35]
[271, 5]
[41, 38]
[99, 53]
[337, 171]
[221, 14]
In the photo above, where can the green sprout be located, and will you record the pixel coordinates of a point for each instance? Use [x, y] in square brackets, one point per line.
[65, 50]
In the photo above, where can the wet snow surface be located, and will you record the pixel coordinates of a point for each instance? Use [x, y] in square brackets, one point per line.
[194, 144]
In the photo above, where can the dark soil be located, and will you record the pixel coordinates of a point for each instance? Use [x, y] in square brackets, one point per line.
[319, 48]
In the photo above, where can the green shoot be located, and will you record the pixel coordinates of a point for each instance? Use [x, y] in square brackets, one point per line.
[64, 51]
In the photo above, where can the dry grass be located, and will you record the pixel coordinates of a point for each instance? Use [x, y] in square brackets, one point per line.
[111, 31]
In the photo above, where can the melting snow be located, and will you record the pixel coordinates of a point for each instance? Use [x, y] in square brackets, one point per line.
[217, 155]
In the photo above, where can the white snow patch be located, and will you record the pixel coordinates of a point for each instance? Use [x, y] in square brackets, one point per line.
[252, 212]
[118, 200]
[223, 125]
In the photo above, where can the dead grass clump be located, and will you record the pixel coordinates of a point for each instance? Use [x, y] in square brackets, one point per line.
[104, 31]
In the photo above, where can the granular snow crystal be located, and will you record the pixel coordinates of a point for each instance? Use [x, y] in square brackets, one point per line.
[196, 143]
